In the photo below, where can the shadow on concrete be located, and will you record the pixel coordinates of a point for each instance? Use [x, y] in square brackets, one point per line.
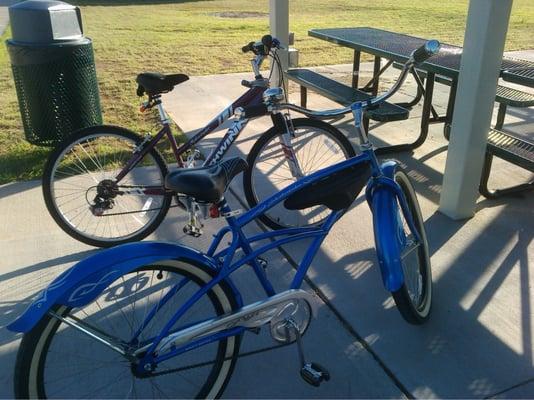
[70, 258]
[14, 188]
[458, 339]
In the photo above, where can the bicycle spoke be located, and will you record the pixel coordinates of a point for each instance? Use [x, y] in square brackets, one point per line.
[81, 172]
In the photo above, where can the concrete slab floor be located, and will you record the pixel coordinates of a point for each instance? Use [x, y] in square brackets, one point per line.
[478, 341]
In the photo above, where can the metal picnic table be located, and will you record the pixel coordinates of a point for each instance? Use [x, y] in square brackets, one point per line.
[519, 75]
[396, 47]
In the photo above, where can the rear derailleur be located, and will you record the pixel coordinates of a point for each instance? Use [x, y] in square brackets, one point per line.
[106, 191]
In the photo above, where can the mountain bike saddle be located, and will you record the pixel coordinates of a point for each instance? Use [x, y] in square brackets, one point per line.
[206, 184]
[336, 191]
[154, 83]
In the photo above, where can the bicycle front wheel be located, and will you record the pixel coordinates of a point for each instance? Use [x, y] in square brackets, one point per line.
[316, 145]
[56, 360]
[414, 298]
[83, 196]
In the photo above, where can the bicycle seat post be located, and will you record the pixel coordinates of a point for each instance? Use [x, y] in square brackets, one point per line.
[163, 117]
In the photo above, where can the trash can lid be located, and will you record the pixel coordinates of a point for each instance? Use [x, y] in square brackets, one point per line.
[45, 21]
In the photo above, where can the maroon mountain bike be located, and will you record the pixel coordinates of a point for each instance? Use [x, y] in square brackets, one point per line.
[105, 185]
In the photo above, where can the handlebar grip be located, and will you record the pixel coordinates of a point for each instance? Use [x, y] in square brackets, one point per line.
[246, 83]
[426, 51]
[255, 111]
[247, 48]
[267, 41]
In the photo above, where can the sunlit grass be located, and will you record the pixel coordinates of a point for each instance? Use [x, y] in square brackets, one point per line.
[191, 37]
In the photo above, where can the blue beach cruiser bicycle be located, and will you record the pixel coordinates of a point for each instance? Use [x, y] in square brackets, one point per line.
[155, 319]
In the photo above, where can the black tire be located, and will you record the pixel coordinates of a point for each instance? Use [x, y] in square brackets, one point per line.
[116, 229]
[414, 307]
[273, 218]
[52, 341]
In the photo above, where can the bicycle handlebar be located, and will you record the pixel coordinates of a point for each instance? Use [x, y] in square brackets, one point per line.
[426, 51]
[261, 49]
[418, 56]
[263, 46]
[247, 48]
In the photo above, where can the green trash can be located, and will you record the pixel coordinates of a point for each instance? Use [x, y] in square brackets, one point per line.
[54, 71]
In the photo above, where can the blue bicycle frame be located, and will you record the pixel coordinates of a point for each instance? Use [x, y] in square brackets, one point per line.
[86, 280]
[381, 180]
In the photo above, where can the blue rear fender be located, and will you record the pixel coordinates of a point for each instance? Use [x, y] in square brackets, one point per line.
[383, 201]
[83, 282]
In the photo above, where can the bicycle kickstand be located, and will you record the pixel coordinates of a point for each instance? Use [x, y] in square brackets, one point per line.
[312, 373]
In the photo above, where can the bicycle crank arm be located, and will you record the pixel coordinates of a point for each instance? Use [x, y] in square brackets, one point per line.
[250, 316]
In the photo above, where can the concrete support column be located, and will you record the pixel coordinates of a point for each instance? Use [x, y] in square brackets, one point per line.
[279, 23]
[487, 23]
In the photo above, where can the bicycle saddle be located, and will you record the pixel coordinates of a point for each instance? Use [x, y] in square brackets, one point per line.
[206, 184]
[154, 83]
[336, 191]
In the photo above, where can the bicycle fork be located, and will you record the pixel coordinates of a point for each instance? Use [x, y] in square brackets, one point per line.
[282, 122]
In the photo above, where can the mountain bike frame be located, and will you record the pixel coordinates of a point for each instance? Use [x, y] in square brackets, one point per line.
[251, 97]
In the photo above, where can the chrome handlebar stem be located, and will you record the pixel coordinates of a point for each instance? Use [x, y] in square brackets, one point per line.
[256, 64]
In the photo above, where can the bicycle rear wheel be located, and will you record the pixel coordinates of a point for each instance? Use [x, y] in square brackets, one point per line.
[56, 360]
[414, 297]
[84, 198]
[316, 145]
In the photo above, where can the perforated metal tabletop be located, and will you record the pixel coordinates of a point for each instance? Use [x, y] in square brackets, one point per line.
[398, 47]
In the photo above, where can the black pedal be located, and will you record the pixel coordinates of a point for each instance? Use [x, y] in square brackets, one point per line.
[314, 374]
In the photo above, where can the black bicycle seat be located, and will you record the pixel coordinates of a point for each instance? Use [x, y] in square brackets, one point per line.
[336, 191]
[154, 83]
[206, 184]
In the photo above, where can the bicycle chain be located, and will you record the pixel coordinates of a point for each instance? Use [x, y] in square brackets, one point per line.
[199, 365]
[139, 211]
[134, 212]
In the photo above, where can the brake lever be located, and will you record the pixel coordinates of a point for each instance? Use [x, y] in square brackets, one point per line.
[277, 44]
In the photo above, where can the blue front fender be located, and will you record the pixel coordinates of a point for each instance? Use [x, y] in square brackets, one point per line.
[383, 201]
[83, 282]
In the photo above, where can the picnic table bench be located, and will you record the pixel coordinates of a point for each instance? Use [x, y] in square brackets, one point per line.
[343, 94]
[512, 149]
[442, 68]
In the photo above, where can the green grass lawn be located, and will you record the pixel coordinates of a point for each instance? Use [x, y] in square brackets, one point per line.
[205, 37]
